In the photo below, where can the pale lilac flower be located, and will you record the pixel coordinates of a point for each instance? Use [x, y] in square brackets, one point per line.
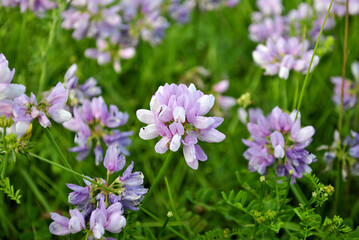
[63, 226]
[95, 122]
[349, 98]
[110, 219]
[253, 114]
[278, 140]
[177, 115]
[132, 191]
[78, 93]
[113, 161]
[103, 55]
[263, 28]
[180, 10]
[283, 55]
[40, 7]
[208, 5]
[270, 7]
[27, 109]
[8, 90]
[224, 102]
[338, 7]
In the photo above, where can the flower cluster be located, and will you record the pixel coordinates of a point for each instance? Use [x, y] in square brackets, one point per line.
[177, 115]
[24, 109]
[350, 88]
[282, 55]
[279, 141]
[94, 122]
[40, 7]
[101, 206]
[118, 26]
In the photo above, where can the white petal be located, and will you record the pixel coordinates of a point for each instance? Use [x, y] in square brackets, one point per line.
[154, 104]
[179, 114]
[206, 103]
[201, 122]
[213, 135]
[22, 127]
[192, 88]
[175, 143]
[149, 132]
[305, 134]
[145, 116]
[61, 116]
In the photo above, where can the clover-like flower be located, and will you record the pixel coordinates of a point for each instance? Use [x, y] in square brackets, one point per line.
[177, 115]
[93, 121]
[283, 55]
[278, 140]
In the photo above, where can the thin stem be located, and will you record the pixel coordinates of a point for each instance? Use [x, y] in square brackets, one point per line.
[58, 150]
[261, 191]
[344, 69]
[284, 93]
[4, 165]
[311, 62]
[72, 171]
[163, 227]
[296, 93]
[339, 182]
[55, 18]
[159, 176]
[158, 220]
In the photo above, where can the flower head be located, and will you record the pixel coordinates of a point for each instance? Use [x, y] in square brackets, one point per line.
[279, 57]
[177, 115]
[94, 121]
[278, 140]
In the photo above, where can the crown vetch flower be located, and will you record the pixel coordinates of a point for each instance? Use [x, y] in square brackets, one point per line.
[40, 7]
[94, 121]
[78, 93]
[278, 140]
[349, 97]
[279, 57]
[130, 188]
[8, 90]
[177, 115]
[63, 226]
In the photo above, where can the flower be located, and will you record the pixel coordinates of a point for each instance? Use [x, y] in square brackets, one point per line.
[224, 102]
[109, 219]
[177, 115]
[27, 109]
[8, 90]
[279, 57]
[114, 162]
[64, 226]
[349, 97]
[40, 7]
[130, 188]
[78, 93]
[278, 140]
[94, 121]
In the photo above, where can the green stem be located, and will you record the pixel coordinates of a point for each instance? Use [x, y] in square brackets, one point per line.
[159, 176]
[261, 196]
[55, 17]
[298, 193]
[163, 228]
[296, 93]
[343, 69]
[311, 62]
[72, 171]
[57, 149]
[4, 165]
[158, 220]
